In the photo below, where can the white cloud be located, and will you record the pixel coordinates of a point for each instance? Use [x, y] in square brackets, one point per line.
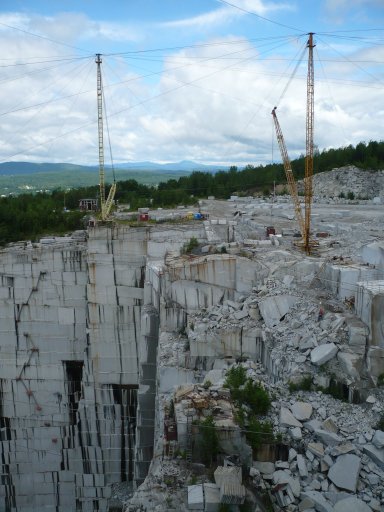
[223, 115]
[228, 13]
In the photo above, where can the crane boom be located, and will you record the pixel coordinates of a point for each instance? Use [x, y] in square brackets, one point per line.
[105, 204]
[289, 174]
[308, 185]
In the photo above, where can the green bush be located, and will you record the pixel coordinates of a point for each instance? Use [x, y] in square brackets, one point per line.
[235, 377]
[305, 384]
[350, 195]
[259, 432]
[256, 397]
[189, 246]
[380, 379]
[247, 392]
[209, 440]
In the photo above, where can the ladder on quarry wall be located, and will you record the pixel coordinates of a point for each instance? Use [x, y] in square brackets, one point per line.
[188, 456]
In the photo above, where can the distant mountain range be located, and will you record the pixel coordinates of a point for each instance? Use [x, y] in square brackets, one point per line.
[23, 168]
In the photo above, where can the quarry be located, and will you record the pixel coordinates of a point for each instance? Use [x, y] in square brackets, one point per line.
[118, 342]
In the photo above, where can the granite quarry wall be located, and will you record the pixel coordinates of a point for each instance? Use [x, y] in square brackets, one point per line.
[71, 346]
[79, 328]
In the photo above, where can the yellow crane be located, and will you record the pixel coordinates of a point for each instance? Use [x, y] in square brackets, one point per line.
[105, 204]
[303, 221]
[292, 187]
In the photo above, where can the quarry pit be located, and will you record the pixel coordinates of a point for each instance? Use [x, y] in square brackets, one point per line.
[115, 342]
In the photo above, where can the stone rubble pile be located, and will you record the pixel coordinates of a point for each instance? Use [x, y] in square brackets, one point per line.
[363, 184]
[336, 455]
[294, 335]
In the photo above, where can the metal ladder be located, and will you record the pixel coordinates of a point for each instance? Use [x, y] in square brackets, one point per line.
[189, 438]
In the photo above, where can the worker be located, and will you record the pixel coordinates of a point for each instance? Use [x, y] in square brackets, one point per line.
[321, 314]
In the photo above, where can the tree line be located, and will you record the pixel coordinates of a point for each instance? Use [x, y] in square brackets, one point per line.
[29, 216]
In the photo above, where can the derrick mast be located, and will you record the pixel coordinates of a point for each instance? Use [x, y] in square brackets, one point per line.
[308, 185]
[105, 204]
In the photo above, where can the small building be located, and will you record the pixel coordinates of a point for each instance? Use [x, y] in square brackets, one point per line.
[88, 205]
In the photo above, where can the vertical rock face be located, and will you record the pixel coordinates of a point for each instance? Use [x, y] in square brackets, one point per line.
[69, 331]
[71, 325]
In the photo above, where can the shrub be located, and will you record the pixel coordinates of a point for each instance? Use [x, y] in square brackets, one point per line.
[380, 379]
[235, 377]
[350, 195]
[207, 384]
[304, 384]
[380, 423]
[246, 391]
[209, 440]
[256, 397]
[259, 432]
[189, 246]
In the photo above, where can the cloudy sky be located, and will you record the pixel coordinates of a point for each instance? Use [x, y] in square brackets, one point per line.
[186, 79]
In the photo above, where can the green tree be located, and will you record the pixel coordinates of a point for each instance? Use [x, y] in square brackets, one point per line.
[209, 440]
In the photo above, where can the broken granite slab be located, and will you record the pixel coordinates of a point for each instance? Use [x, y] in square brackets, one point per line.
[345, 472]
[375, 454]
[302, 466]
[378, 439]
[329, 438]
[313, 425]
[195, 497]
[282, 477]
[323, 353]
[351, 504]
[274, 308]
[316, 448]
[302, 411]
[287, 419]
[320, 503]
[329, 425]
[264, 467]
[350, 364]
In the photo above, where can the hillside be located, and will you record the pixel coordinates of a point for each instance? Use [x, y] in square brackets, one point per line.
[348, 181]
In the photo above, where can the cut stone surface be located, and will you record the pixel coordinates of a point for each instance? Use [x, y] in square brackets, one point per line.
[302, 411]
[287, 419]
[345, 472]
[320, 503]
[292, 454]
[328, 438]
[273, 309]
[264, 467]
[296, 433]
[195, 497]
[306, 504]
[329, 425]
[312, 425]
[282, 477]
[342, 449]
[378, 439]
[302, 467]
[316, 448]
[350, 364]
[351, 504]
[323, 353]
[376, 454]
